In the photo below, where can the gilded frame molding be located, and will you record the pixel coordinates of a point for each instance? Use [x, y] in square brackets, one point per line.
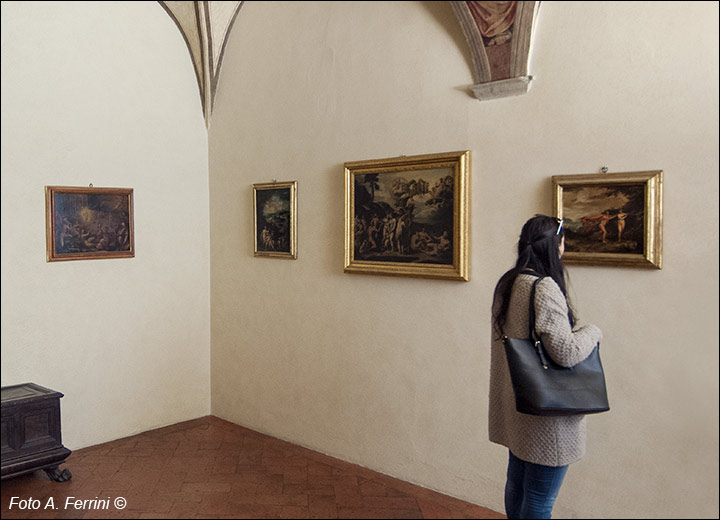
[431, 236]
[88, 223]
[278, 238]
[611, 219]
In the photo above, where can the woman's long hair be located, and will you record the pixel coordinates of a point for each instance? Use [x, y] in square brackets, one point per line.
[538, 250]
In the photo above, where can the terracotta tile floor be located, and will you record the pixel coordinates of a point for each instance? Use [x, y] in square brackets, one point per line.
[211, 468]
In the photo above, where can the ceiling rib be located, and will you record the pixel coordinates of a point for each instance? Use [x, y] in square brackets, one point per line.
[205, 27]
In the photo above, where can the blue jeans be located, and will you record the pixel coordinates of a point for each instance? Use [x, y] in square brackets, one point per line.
[531, 489]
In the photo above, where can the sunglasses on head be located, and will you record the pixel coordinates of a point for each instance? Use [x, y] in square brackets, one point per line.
[560, 224]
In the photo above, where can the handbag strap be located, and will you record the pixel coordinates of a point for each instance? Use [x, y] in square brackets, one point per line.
[534, 336]
[531, 315]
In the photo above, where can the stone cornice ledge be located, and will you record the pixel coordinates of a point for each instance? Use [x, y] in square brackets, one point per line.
[502, 88]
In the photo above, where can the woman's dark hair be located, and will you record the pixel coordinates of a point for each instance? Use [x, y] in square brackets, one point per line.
[537, 251]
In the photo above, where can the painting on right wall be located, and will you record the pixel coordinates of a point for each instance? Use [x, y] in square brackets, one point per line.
[611, 219]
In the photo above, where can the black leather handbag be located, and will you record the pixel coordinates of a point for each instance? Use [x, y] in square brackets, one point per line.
[543, 387]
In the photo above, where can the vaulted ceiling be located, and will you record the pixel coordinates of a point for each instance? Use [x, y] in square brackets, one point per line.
[498, 34]
[205, 26]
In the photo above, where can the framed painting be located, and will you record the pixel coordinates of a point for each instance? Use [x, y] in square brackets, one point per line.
[275, 219]
[611, 219]
[409, 216]
[88, 223]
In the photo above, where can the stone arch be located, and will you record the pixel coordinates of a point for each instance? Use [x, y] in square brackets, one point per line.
[205, 27]
[499, 74]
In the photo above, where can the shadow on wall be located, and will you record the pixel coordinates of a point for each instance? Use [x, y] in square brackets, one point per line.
[445, 16]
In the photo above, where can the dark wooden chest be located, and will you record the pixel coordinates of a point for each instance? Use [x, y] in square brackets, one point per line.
[31, 436]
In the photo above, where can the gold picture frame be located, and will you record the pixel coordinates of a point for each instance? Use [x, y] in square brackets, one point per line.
[409, 216]
[612, 219]
[88, 223]
[275, 219]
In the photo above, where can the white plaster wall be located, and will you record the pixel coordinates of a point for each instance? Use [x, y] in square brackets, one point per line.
[105, 93]
[392, 373]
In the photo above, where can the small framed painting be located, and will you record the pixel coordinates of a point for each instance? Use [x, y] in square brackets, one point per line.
[275, 219]
[88, 223]
[409, 216]
[611, 219]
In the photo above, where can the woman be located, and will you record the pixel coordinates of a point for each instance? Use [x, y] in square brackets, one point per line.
[541, 448]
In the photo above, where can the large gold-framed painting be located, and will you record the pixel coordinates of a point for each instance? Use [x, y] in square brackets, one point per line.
[409, 216]
[611, 219]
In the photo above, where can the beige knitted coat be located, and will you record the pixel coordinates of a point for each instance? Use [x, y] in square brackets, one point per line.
[550, 441]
